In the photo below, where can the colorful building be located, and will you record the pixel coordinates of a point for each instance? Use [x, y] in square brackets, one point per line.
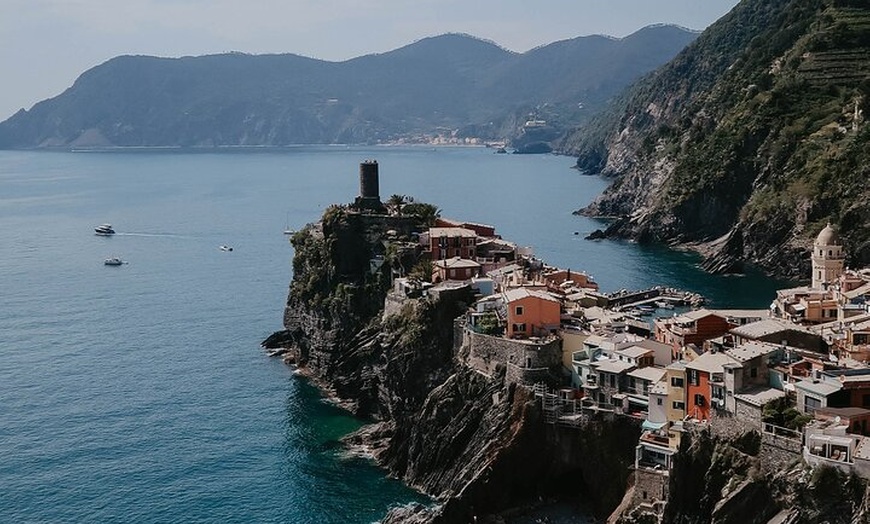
[694, 327]
[531, 313]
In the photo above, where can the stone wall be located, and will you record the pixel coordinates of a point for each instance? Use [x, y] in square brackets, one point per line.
[650, 486]
[778, 452]
[748, 412]
[393, 303]
[528, 362]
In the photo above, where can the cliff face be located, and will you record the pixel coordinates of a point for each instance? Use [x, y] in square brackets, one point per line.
[748, 142]
[743, 480]
[476, 443]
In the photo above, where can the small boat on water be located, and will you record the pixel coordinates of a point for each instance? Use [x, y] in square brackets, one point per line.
[226, 248]
[664, 304]
[114, 261]
[104, 230]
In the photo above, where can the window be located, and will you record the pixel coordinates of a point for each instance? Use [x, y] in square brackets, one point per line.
[811, 404]
[677, 382]
[612, 380]
[659, 401]
[865, 401]
[694, 379]
[519, 311]
[678, 405]
[699, 400]
[520, 328]
[753, 372]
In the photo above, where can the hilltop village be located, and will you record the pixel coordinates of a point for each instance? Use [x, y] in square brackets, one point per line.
[796, 373]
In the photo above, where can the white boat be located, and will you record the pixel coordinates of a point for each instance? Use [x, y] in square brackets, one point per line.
[226, 248]
[113, 261]
[664, 304]
[104, 230]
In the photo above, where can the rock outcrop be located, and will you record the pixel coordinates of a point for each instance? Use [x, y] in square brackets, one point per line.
[476, 443]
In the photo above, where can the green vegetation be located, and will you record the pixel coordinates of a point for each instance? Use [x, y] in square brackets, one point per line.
[446, 84]
[762, 122]
[781, 412]
[426, 213]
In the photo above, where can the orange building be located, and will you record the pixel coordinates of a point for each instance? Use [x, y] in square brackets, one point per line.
[531, 313]
[705, 383]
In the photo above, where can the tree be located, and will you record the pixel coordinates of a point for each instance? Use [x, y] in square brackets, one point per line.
[396, 203]
[422, 271]
[425, 213]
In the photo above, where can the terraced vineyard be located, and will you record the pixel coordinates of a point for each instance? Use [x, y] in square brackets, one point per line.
[840, 51]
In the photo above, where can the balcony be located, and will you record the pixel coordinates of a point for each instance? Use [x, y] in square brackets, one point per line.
[654, 438]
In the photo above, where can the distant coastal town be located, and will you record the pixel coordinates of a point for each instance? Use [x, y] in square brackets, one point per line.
[796, 373]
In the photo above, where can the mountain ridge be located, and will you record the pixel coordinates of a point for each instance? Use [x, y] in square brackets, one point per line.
[452, 82]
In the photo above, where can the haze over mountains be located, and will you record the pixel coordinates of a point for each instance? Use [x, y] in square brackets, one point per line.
[450, 85]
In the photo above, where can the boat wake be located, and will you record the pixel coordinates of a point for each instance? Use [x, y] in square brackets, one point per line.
[161, 235]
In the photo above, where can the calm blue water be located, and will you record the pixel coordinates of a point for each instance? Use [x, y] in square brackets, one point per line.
[139, 394]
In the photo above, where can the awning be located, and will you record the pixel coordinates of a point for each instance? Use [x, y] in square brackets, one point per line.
[652, 426]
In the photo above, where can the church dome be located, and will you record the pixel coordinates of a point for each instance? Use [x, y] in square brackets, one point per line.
[828, 237]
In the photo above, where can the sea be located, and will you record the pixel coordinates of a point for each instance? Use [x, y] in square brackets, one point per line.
[139, 393]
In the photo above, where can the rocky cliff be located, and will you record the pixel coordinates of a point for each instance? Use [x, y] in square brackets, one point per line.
[477, 444]
[740, 480]
[748, 142]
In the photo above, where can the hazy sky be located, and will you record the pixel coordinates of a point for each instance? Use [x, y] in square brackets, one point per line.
[46, 44]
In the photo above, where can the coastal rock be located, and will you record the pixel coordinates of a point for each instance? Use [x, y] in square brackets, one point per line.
[476, 443]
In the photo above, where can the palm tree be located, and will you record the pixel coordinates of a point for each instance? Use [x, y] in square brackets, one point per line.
[395, 204]
[426, 213]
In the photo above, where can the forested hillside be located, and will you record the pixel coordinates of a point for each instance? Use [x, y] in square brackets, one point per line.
[748, 142]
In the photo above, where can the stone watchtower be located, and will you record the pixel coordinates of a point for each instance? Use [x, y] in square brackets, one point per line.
[369, 193]
[828, 258]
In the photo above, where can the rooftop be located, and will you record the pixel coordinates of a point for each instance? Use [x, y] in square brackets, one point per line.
[750, 350]
[451, 232]
[819, 387]
[519, 293]
[457, 263]
[612, 366]
[742, 313]
[634, 352]
[765, 327]
[649, 373]
[759, 396]
[710, 362]
[843, 412]
[510, 268]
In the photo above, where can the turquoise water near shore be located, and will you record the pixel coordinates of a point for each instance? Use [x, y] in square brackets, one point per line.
[139, 393]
